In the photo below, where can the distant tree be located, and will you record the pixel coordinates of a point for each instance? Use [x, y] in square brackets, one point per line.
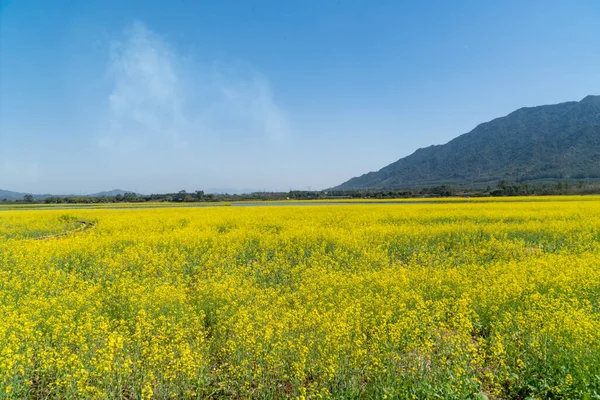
[28, 198]
[200, 195]
[180, 196]
[119, 197]
[130, 197]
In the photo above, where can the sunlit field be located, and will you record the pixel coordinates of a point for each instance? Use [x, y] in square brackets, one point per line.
[477, 299]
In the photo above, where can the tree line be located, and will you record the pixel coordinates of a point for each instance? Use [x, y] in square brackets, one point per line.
[502, 188]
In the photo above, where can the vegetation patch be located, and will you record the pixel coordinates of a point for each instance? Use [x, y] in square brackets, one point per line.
[454, 300]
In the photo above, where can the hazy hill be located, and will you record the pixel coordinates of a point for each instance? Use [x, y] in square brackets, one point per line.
[552, 142]
[7, 194]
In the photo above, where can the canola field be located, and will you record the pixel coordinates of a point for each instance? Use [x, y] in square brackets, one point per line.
[467, 300]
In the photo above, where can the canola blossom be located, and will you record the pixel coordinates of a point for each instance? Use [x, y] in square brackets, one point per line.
[477, 299]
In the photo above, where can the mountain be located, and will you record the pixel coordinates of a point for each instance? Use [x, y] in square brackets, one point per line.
[7, 194]
[532, 144]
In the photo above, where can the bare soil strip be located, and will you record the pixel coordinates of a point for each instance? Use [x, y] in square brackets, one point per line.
[83, 226]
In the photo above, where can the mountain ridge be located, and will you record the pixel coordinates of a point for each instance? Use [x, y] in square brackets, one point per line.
[530, 144]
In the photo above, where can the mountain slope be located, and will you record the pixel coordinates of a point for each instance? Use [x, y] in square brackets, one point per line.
[560, 141]
[7, 194]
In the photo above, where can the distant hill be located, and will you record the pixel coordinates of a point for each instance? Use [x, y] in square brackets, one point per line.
[7, 194]
[533, 144]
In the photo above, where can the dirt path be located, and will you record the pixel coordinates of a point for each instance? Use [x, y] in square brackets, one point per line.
[83, 226]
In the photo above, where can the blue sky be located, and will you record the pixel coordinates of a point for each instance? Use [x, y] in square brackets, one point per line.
[158, 96]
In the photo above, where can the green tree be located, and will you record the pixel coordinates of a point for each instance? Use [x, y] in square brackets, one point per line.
[180, 196]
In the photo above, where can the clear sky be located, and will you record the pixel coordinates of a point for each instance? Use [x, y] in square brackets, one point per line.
[156, 96]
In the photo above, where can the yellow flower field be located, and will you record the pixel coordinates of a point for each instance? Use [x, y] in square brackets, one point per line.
[450, 300]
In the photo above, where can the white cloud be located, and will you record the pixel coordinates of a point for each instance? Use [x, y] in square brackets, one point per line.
[164, 100]
[253, 100]
[147, 97]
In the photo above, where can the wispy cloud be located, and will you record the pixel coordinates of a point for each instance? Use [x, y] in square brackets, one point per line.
[161, 98]
[252, 99]
[146, 100]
